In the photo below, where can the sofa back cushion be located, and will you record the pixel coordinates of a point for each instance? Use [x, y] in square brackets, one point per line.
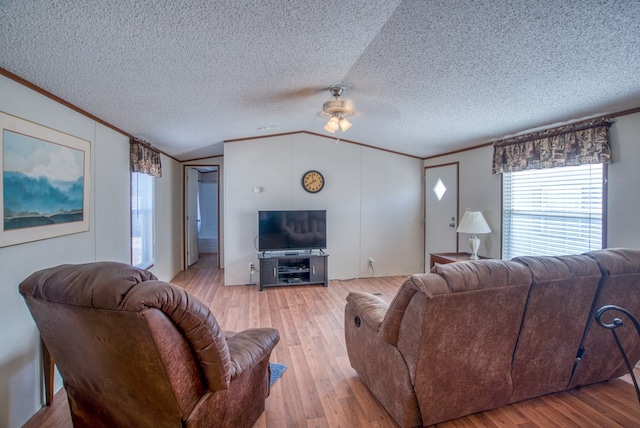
[111, 378]
[620, 286]
[458, 334]
[558, 307]
[128, 346]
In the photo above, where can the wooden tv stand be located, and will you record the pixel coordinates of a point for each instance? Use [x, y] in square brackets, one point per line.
[282, 268]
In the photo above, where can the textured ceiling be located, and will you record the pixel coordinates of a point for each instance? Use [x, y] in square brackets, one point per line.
[425, 76]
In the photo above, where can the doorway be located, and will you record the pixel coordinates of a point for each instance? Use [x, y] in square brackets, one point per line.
[441, 210]
[201, 216]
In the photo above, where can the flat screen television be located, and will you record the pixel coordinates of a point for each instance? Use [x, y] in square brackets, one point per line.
[292, 230]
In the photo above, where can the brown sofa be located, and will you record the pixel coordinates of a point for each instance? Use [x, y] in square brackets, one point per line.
[134, 351]
[477, 335]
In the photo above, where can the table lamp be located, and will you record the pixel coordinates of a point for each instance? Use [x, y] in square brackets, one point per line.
[474, 223]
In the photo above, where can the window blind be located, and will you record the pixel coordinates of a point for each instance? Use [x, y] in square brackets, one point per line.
[554, 211]
[142, 219]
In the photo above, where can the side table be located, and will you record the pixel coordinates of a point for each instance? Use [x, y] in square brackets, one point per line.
[444, 258]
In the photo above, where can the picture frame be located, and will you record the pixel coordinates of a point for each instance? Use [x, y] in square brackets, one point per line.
[45, 182]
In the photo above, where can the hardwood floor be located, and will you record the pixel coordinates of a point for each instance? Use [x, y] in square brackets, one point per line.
[320, 389]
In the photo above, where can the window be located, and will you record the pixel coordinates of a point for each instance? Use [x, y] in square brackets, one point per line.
[553, 211]
[142, 220]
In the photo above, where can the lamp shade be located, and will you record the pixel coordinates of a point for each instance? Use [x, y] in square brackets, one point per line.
[332, 125]
[473, 222]
[344, 124]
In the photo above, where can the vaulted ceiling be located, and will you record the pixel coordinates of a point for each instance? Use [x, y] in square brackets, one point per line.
[425, 76]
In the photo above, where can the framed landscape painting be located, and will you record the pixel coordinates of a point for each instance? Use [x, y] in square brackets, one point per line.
[44, 187]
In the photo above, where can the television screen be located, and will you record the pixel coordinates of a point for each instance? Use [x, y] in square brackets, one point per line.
[292, 230]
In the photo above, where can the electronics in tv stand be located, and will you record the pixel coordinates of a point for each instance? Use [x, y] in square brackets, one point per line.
[284, 268]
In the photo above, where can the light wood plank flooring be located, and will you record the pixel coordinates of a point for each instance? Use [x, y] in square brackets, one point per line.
[320, 389]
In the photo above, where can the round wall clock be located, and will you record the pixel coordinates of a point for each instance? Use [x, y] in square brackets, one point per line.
[312, 181]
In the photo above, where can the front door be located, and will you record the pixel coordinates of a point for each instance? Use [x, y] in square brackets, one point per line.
[441, 210]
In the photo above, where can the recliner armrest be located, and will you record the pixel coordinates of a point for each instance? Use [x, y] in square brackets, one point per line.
[371, 309]
[247, 348]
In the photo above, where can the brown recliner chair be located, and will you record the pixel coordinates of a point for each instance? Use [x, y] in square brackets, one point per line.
[135, 351]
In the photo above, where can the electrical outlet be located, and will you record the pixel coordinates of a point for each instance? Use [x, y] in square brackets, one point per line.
[370, 260]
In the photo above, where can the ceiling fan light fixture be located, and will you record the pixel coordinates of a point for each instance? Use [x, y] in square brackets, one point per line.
[337, 109]
[344, 124]
[332, 125]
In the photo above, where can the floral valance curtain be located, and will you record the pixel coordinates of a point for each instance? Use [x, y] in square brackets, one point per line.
[570, 145]
[144, 158]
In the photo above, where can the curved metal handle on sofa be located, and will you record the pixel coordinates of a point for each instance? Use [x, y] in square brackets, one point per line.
[617, 322]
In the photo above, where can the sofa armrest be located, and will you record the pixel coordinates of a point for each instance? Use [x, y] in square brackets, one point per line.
[368, 308]
[247, 348]
[379, 363]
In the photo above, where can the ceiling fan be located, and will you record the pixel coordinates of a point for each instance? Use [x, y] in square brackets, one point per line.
[338, 110]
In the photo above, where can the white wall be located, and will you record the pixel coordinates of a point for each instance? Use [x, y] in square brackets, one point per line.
[623, 227]
[482, 191]
[391, 214]
[108, 238]
[168, 221]
[113, 239]
[373, 201]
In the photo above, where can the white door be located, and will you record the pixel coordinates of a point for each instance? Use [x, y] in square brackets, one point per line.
[441, 210]
[192, 215]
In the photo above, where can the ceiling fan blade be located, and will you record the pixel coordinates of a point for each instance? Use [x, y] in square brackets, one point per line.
[298, 93]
